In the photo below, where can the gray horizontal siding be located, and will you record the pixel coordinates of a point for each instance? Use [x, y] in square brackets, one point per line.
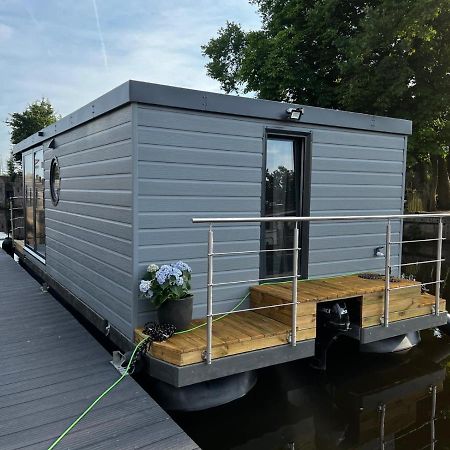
[196, 165]
[203, 165]
[89, 233]
[354, 173]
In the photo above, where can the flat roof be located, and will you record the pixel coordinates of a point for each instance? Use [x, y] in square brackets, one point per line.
[190, 99]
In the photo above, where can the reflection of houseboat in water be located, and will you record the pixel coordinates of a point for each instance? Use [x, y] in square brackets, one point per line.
[387, 402]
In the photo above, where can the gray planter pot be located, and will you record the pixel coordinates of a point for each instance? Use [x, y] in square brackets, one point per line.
[177, 312]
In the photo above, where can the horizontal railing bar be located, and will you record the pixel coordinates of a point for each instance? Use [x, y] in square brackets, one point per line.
[254, 251]
[225, 283]
[418, 240]
[417, 263]
[17, 218]
[415, 285]
[314, 218]
[253, 309]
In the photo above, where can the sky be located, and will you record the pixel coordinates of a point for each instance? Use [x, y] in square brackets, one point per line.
[71, 52]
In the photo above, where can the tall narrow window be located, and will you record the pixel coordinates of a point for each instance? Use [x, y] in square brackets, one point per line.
[34, 198]
[28, 196]
[282, 198]
[39, 201]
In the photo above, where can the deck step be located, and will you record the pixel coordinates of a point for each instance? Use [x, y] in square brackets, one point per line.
[404, 303]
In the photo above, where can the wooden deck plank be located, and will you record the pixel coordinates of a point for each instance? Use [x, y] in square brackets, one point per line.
[400, 315]
[53, 369]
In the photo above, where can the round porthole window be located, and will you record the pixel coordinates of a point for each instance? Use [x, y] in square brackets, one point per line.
[55, 181]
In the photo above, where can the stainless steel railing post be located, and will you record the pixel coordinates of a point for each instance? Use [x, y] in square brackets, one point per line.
[11, 219]
[387, 273]
[294, 286]
[438, 267]
[209, 307]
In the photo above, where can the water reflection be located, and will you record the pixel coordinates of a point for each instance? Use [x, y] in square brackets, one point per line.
[363, 402]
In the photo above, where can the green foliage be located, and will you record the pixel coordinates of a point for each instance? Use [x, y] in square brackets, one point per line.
[384, 57]
[11, 167]
[36, 116]
[294, 57]
[388, 57]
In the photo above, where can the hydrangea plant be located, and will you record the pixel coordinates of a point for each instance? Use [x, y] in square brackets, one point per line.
[168, 282]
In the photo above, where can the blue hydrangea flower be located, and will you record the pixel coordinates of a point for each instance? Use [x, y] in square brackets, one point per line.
[179, 281]
[180, 265]
[165, 272]
[145, 286]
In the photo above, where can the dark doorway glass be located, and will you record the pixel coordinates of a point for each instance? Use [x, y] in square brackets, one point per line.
[29, 199]
[39, 201]
[282, 195]
[34, 197]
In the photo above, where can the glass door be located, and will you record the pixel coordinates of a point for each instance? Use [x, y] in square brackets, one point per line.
[39, 202]
[28, 177]
[282, 197]
[34, 198]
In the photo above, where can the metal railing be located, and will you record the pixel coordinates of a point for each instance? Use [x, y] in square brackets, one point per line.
[296, 221]
[14, 217]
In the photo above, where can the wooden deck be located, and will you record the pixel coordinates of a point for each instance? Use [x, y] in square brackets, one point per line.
[250, 331]
[52, 369]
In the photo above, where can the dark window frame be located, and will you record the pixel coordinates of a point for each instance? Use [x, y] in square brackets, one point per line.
[32, 152]
[302, 163]
[54, 194]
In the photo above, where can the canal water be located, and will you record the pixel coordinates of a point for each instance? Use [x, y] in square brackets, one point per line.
[363, 401]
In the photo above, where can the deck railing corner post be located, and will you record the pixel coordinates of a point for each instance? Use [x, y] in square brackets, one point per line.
[387, 274]
[438, 266]
[209, 312]
[295, 285]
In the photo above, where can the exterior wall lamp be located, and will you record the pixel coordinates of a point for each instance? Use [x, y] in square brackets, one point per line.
[295, 113]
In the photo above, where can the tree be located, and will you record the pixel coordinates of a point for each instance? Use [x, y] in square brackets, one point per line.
[388, 57]
[36, 116]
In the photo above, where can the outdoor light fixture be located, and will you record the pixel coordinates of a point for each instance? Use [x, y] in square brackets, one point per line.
[295, 113]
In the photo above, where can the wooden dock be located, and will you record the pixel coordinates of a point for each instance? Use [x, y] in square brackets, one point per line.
[52, 369]
[255, 330]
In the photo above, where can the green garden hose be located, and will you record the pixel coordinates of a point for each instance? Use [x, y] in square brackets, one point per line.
[126, 372]
[103, 394]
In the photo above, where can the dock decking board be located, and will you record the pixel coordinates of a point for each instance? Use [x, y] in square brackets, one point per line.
[254, 330]
[52, 369]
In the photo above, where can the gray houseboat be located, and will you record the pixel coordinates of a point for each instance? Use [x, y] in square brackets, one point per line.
[114, 187]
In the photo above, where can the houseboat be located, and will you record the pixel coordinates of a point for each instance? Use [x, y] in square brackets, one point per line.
[271, 192]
